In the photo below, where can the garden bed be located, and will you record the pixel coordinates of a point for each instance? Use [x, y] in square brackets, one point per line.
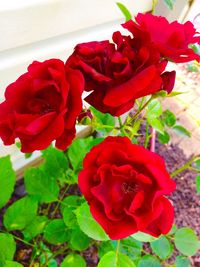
[185, 200]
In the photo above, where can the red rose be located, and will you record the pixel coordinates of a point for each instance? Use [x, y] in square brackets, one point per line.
[125, 185]
[119, 73]
[171, 39]
[42, 106]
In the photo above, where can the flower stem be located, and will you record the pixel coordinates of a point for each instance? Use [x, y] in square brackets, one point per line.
[142, 108]
[23, 241]
[60, 201]
[154, 4]
[185, 166]
[118, 247]
[121, 126]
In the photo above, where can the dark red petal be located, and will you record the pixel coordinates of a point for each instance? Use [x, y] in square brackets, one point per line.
[44, 138]
[115, 230]
[134, 88]
[163, 224]
[165, 184]
[74, 101]
[168, 79]
[65, 139]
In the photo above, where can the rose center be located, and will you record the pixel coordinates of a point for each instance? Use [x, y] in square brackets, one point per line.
[129, 188]
[38, 106]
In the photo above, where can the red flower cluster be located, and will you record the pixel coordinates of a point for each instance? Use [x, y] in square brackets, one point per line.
[119, 73]
[171, 39]
[132, 67]
[42, 106]
[124, 185]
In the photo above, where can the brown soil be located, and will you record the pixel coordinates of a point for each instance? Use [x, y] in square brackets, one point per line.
[185, 199]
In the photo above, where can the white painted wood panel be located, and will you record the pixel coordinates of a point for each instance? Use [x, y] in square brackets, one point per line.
[27, 21]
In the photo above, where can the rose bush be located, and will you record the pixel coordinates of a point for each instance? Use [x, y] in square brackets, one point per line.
[48, 222]
[41, 106]
[171, 39]
[125, 185]
[118, 73]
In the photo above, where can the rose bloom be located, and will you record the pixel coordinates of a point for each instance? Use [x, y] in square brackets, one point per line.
[125, 185]
[42, 106]
[118, 73]
[171, 39]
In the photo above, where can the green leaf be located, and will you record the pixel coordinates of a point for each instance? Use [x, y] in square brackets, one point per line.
[197, 164]
[182, 262]
[7, 180]
[161, 93]
[52, 263]
[12, 264]
[70, 177]
[56, 163]
[79, 241]
[7, 247]
[28, 155]
[88, 225]
[68, 207]
[149, 261]
[124, 11]
[162, 248]
[73, 260]
[174, 93]
[195, 48]
[69, 217]
[56, 232]
[180, 130]
[107, 246]
[154, 108]
[170, 3]
[71, 201]
[164, 138]
[102, 120]
[131, 247]
[111, 259]
[40, 185]
[192, 67]
[35, 228]
[20, 213]
[186, 241]
[156, 124]
[169, 118]
[143, 237]
[198, 183]
[79, 148]
[173, 230]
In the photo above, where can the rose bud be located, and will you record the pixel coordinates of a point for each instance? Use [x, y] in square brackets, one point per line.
[85, 117]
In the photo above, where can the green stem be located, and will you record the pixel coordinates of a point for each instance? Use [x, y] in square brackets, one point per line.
[154, 4]
[185, 166]
[118, 247]
[193, 169]
[23, 241]
[59, 201]
[121, 126]
[142, 108]
[58, 252]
